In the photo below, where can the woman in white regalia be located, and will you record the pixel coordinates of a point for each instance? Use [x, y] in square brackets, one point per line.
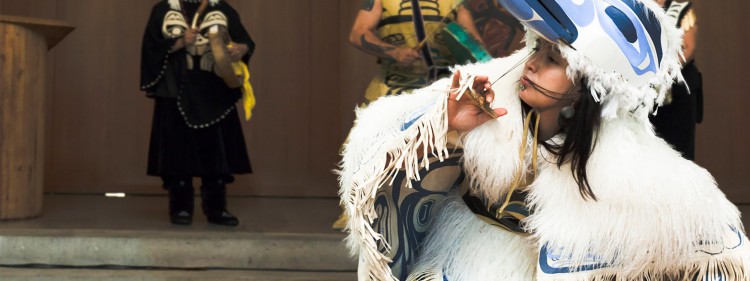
[568, 183]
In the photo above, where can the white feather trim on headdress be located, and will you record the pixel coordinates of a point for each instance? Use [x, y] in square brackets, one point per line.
[175, 4]
[617, 96]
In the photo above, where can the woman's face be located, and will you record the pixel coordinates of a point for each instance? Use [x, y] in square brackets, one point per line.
[545, 85]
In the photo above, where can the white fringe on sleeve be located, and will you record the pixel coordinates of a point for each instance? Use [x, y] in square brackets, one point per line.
[389, 133]
[387, 138]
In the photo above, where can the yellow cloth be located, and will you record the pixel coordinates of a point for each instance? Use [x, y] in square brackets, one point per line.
[397, 28]
[240, 69]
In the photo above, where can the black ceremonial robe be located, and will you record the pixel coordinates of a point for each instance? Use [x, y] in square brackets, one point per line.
[196, 129]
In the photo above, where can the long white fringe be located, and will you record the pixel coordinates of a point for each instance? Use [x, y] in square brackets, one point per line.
[465, 248]
[378, 148]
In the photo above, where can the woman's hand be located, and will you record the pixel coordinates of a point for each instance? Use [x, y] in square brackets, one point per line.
[464, 114]
[236, 51]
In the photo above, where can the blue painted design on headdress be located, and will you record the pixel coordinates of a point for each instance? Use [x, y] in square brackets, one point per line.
[623, 23]
[518, 8]
[649, 20]
[561, 22]
[628, 23]
[581, 14]
[535, 16]
[635, 55]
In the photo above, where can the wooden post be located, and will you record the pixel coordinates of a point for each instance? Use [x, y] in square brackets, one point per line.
[24, 43]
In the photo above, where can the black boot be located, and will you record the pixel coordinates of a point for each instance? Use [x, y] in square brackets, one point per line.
[214, 196]
[181, 198]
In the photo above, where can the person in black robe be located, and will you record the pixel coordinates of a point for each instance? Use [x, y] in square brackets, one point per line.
[196, 130]
[683, 108]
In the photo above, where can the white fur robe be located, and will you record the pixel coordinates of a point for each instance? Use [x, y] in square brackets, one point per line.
[658, 214]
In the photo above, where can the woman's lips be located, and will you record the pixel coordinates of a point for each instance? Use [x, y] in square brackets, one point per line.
[525, 81]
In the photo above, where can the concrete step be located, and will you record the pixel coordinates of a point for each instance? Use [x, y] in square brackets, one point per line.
[286, 234]
[39, 274]
[171, 249]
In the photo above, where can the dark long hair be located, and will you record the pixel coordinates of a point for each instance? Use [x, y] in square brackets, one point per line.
[580, 139]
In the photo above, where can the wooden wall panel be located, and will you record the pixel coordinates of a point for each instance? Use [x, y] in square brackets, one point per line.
[323, 126]
[99, 129]
[293, 135]
[101, 121]
[723, 139]
[307, 80]
[358, 68]
[30, 8]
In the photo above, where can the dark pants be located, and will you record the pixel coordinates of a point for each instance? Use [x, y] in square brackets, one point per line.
[213, 193]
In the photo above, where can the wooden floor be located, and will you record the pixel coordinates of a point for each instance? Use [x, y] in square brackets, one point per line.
[149, 213]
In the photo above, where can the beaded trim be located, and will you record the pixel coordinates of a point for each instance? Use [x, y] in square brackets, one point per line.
[204, 125]
[158, 77]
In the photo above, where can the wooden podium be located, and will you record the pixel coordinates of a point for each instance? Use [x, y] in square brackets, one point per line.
[24, 43]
